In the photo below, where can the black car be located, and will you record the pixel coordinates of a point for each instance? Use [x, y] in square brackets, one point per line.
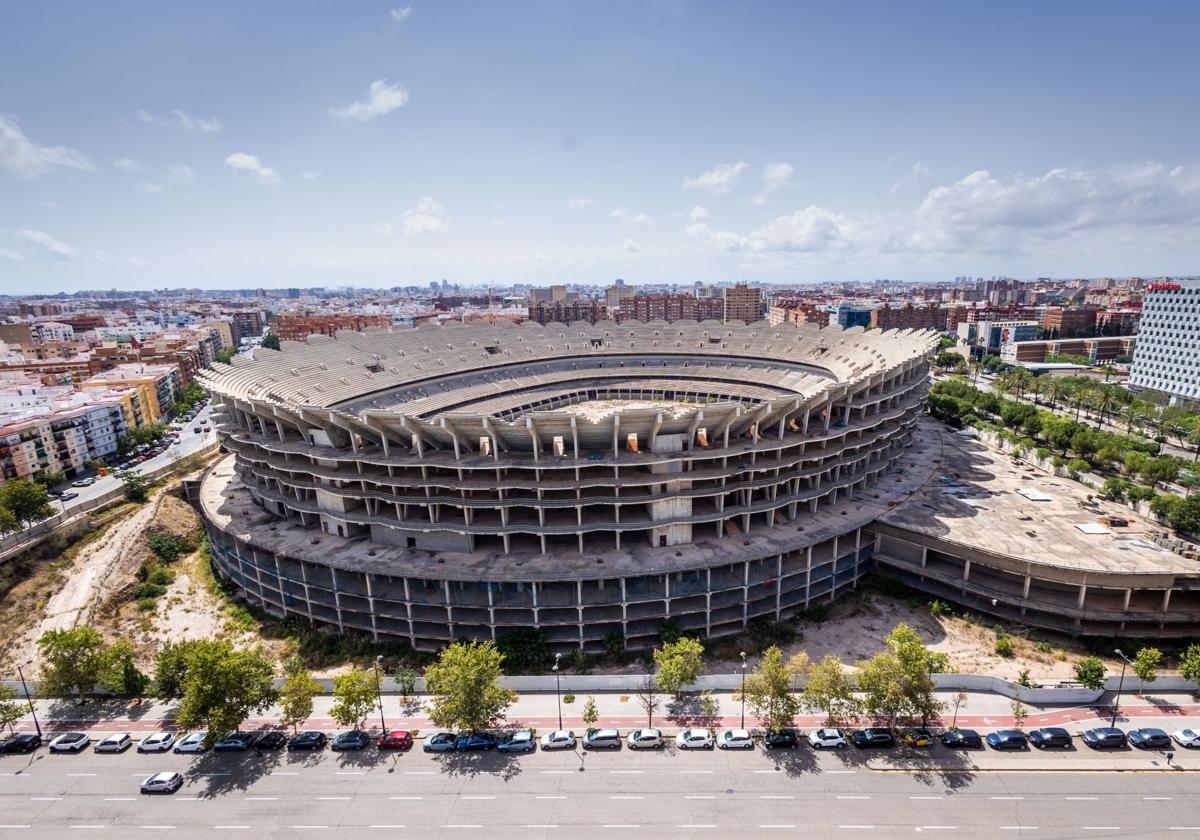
[272, 740]
[1050, 737]
[782, 739]
[307, 741]
[23, 743]
[1150, 738]
[961, 739]
[1105, 738]
[234, 742]
[356, 740]
[873, 738]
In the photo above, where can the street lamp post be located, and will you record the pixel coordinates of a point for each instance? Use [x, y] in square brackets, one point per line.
[558, 689]
[379, 695]
[29, 700]
[743, 689]
[1120, 684]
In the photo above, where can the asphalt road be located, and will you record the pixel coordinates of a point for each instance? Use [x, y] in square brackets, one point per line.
[572, 794]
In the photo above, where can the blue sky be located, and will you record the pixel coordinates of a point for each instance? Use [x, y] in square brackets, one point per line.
[148, 145]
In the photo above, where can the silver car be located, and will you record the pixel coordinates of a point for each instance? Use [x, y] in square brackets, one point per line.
[167, 782]
[559, 739]
[193, 742]
[439, 742]
[520, 741]
[645, 739]
[114, 743]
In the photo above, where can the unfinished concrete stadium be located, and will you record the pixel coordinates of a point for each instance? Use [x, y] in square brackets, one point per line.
[452, 481]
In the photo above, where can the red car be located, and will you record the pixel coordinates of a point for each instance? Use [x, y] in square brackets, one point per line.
[400, 739]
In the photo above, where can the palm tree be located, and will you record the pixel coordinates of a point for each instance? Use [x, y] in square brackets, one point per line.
[1133, 414]
[1054, 393]
[1035, 388]
[1106, 401]
[1079, 398]
[1194, 440]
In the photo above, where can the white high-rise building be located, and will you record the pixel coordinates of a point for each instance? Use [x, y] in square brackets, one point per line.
[1167, 356]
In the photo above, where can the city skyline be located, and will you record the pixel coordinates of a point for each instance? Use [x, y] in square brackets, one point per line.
[395, 144]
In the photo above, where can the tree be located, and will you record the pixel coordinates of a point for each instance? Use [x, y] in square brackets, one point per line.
[768, 690]
[296, 696]
[465, 687]
[960, 700]
[222, 686]
[679, 663]
[26, 500]
[798, 665]
[354, 696]
[1089, 671]
[137, 486]
[170, 667]
[1184, 515]
[829, 689]
[590, 713]
[72, 659]
[48, 478]
[10, 710]
[271, 342]
[225, 355]
[647, 697]
[881, 679]
[8, 521]
[899, 681]
[1019, 712]
[119, 672]
[406, 681]
[1146, 664]
[1189, 664]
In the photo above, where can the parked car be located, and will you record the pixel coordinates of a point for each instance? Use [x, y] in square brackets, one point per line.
[166, 782]
[602, 739]
[310, 740]
[1007, 739]
[873, 737]
[114, 744]
[1105, 738]
[559, 739]
[694, 739]
[918, 738]
[66, 497]
[476, 742]
[234, 742]
[70, 742]
[645, 739]
[1050, 737]
[439, 742]
[1149, 738]
[270, 740]
[961, 739]
[354, 740]
[156, 742]
[397, 739]
[84, 482]
[196, 430]
[1187, 738]
[193, 742]
[736, 739]
[26, 742]
[827, 739]
[520, 741]
[782, 739]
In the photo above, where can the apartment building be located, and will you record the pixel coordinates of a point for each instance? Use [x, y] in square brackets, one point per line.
[743, 303]
[1167, 357]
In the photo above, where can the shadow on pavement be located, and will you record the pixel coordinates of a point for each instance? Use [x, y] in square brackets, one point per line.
[227, 772]
[795, 762]
[489, 762]
[931, 765]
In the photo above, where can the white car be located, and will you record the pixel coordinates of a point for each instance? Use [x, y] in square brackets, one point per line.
[827, 739]
[559, 739]
[736, 739]
[694, 739]
[158, 742]
[193, 742]
[167, 782]
[83, 482]
[440, 742]
[1189, 738]
[114, 743]
[645, 739]
[70, 742]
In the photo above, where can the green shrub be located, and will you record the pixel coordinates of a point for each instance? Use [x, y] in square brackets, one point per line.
[568, 698]
[817, 613]
[1004, 646]
[147, 604]
[937, 608]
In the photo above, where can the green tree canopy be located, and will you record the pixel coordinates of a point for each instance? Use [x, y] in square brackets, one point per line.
[768, 690]
[678, 664]
[72, 661]
[137, 486]
[899, 681]
[1089, 671]
[1189, 664]
[222, 686]
[1146, 664]
[271, 342]
[354, 696]
[296, 697]
[120, 673]
[26, 500]
[11, 711]
[830, 689]
[465, 687]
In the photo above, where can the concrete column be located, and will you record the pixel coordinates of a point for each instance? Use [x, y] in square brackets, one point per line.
[412, 634]
[1128, 595]
[1082, 595]
[778, 586]
[924, 555]
[337, 599]
[1166, 601]
[371, 601]
[1028, 582]
[966, 571]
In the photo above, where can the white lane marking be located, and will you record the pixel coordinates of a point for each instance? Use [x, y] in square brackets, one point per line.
[936, 827]
[624, 796]
[542, 825]
[80, 774]
[185, 799]
[349, 772]
[1005, 798]
[385, 826]
[404, 797]
[230, 826]
[260, 798]
[925, 797]
[776, 796]
[697, 825]
[1101, 828]
[119, 798]
[549, 797]
[622, 825]
[479, 797]
[1081, 798]
[418, 772]
[1157, 798]
[627, 772]
[333, 798]
[308, 826]
[697, 771]
[779, 825]
[854, 797]
[857, 826]
[838, 772]
[701, 796]
[283, 773]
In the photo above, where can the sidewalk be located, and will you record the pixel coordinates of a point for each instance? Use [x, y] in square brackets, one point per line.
[541, 710]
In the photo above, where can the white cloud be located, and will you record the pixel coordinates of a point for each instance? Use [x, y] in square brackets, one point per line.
[623, 215]
[182, 121]
[699, 213]
[42, 246]
[178, 175]
[119, 262]
[775, 176]
[9, 255]
[402, 14]
[721, 179]
[631, 246]
[579, 203]
[918, 174]
[24, 158]
[250, 166]
[129, 165]
[426, 217]
[382, 99]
